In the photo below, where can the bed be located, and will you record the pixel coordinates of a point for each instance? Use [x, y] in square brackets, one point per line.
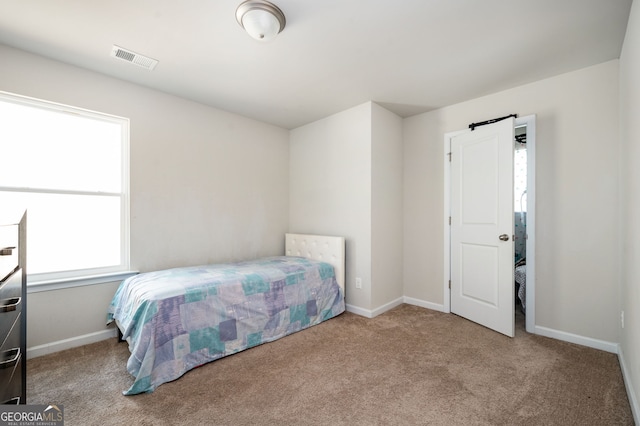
[520, 276]
[178, 319]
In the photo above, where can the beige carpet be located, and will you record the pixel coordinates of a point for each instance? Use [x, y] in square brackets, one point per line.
[409, 366]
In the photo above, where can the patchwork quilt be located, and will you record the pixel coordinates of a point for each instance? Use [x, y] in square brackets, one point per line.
[178, 319]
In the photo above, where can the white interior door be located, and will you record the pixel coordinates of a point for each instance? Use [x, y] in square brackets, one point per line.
[482, 249]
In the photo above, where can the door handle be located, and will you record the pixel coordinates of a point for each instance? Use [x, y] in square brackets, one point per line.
[504, 237]
[9, 358]
[8, 305]
[6, 251]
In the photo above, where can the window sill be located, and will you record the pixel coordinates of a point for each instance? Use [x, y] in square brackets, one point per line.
[38, 286]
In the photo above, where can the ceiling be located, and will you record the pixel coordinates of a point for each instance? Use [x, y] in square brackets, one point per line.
[410, 56]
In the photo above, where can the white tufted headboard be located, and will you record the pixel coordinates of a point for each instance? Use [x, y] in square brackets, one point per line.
[319, 247]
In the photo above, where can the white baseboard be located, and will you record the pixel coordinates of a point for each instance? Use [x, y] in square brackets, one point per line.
[388, 306]
[631, 394]
[577, 339]
[359, 311]
[377, 311]
[73, 342]
[423, 304]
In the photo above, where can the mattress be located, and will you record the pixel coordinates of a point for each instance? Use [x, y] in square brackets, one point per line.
[178, 319]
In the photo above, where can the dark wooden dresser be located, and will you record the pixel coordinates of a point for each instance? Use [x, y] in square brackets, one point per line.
[13, 313]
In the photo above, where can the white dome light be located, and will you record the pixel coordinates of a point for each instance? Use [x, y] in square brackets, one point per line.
[260, 19]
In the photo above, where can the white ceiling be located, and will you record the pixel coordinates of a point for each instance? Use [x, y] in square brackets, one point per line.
[410, 56]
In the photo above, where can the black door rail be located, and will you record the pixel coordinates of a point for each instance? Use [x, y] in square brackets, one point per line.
[472, 126]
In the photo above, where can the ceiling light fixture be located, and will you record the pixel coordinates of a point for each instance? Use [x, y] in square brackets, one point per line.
[261, 19]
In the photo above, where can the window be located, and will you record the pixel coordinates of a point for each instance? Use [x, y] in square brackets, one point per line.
[520, 178]
[69, 168]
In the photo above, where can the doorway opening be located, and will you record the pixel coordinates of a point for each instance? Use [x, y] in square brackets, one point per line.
[520, 223]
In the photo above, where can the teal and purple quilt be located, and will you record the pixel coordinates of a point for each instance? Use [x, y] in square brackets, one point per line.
[178, 319]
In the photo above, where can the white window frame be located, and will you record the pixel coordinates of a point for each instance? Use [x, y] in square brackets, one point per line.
[80, 277]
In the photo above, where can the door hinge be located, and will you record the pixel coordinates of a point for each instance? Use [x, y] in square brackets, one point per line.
[449, 154]
[449, 220]
[449, 284]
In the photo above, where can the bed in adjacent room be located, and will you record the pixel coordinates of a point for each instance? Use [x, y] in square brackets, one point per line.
[178, 319]
[520, 276]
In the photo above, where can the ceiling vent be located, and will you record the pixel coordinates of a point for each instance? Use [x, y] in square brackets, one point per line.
[134, 58]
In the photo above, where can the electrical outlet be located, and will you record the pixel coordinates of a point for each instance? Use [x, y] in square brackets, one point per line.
[359, 282]
[622, 319]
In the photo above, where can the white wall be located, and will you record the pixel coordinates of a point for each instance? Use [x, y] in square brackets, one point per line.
[630, 205]
[206, 185]
[577, 161]
[346, 179]
[330, 189]
[386, 206]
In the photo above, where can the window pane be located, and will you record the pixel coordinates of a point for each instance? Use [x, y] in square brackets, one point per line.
[520, 178]
[57, 150]
[69, 232]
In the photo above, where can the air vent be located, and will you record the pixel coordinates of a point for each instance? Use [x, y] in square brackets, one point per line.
[134, 58]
